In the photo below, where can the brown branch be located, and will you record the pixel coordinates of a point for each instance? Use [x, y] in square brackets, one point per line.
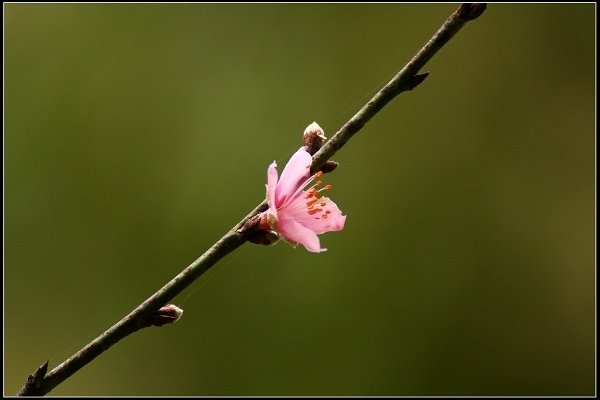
[407, 79]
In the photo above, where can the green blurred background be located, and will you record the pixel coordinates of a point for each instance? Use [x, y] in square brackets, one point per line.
[136, 135]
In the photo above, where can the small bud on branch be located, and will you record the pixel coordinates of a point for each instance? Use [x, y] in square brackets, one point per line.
[168, 314]
[313, 138]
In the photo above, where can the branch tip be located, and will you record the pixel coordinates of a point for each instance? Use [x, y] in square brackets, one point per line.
[471, 11]
[34, 381]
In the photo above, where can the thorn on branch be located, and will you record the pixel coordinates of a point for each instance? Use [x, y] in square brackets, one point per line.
[471, 11]
[34, 381]
[416, 80]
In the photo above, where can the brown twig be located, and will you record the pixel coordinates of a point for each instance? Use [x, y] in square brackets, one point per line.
[40, 383]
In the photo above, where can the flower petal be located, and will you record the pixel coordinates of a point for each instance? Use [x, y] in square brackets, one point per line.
[328, 219]
[295, 173]
[272, 185]
[294, 231]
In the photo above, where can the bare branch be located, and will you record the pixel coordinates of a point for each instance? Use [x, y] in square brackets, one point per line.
[148, 313]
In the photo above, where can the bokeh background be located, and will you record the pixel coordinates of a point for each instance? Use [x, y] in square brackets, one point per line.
[136, 135]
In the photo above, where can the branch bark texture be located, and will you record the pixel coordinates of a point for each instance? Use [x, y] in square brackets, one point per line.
[40, 383]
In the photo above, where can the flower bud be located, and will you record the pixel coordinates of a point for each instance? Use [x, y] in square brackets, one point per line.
[257, 230]
[313, 138]
[329, 166]
[266, 238]
[168, 314]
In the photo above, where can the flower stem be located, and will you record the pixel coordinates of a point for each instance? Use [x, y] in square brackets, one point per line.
[40, 383]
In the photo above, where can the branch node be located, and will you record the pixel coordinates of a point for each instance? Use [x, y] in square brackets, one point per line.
[256, 230]
[416, 80]
[329, 166]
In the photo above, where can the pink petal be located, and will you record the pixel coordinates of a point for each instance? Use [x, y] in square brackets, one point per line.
[271, 213]
[295, 173]
[328, 220]
[271, 184]
[294, 231]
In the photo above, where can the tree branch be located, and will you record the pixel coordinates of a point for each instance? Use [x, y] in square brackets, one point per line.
[408, 78]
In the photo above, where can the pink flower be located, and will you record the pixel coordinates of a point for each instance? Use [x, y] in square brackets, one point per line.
[296, 212]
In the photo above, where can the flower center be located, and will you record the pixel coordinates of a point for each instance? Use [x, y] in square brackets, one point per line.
[315, 204]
